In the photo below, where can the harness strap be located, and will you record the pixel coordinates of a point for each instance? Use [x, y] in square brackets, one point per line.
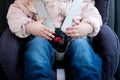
[42, 11]
[75, 7]
[73, 11]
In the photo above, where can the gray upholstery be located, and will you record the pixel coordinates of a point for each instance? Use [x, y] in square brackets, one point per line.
[117, 30]
[114, 23]
[111, 17]
[117, 17]
[103, 7]
[114, 16]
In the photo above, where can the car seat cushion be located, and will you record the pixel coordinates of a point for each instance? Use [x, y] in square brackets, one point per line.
[107, 45]
[9, 53]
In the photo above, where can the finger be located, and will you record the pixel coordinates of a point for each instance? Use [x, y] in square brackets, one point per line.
[72, 28]
[41, 20]
[73, 35]
[76, 21]
[69, 28]
[43, 35]
[71, 31]
[46, 37]
[49, 34]
[49, 30]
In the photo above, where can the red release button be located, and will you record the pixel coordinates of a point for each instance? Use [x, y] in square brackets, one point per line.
[58, 39]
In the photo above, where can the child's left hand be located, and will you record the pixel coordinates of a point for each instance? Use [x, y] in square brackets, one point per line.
[81, 29]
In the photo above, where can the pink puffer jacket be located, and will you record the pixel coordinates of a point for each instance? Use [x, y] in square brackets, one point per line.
[22, 12]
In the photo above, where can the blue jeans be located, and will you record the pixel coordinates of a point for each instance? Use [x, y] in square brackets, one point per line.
[40, 57]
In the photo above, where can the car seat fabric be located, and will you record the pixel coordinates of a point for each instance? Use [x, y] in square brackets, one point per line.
[103, 7]
[107, 45]
[10, 55]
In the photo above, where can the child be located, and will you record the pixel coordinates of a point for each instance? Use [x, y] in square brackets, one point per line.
[85, 64]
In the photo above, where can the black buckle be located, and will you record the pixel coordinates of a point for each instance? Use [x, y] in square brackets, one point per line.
[60, 41]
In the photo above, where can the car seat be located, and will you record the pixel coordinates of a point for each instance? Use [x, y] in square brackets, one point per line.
[12, 48]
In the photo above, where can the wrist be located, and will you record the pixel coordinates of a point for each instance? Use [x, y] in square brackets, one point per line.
[89, 27]
[27, 27]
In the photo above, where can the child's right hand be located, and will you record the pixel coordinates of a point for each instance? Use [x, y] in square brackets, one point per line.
[38, 29]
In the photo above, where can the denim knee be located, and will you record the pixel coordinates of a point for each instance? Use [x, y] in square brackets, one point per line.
[39, 58]
[80, 42]
[41, 47]
[83, 60]
[38, 41]
[80, 48]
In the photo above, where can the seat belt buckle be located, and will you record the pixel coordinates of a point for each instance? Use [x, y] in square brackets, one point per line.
[58, 39]
[61, 40]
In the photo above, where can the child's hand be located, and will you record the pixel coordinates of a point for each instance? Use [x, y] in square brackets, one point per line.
[79, 30]
[38, 29]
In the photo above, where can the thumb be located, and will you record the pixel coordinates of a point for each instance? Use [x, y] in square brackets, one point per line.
[41, 20]
[76, 21]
